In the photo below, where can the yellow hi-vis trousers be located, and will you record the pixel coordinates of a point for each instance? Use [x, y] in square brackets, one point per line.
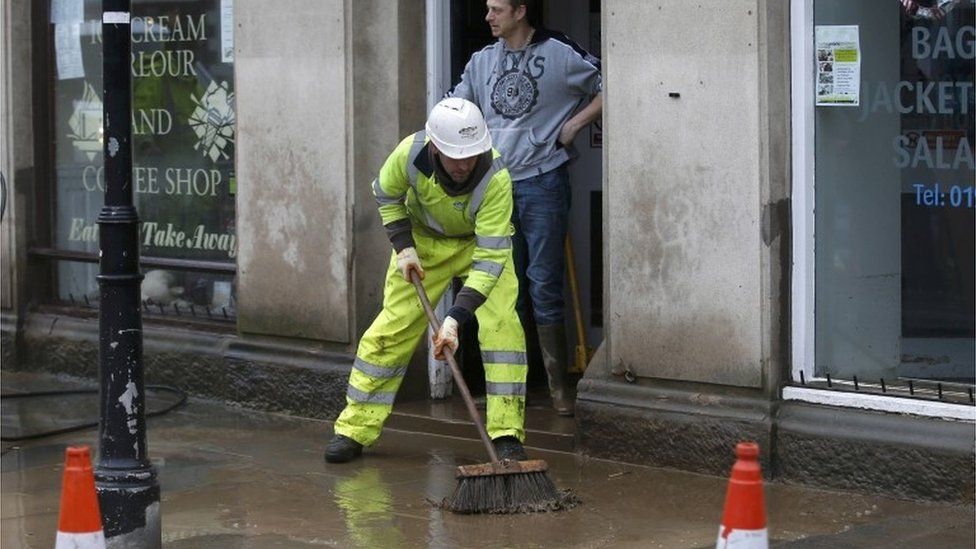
[386, 347]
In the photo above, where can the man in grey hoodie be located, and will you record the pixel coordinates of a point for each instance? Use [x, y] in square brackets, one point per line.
[537, 90]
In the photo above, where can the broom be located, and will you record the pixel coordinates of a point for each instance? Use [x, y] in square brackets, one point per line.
[583, 353]
[507, 486]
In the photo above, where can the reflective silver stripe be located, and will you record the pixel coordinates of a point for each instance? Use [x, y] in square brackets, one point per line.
[382, 198]
[503, 357]
[419, 140]
[418, 143]
[490, 267]
[507, 389]
[366, 398]
[384, 372]
[493, 242]
[478, 194]
[388, 201]
[431, 222]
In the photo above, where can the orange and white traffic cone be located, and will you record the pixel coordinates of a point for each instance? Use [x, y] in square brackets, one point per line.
[744, 518]
[80, 523]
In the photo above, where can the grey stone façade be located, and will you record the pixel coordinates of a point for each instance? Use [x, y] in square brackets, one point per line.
[895, 455]
[291, 377]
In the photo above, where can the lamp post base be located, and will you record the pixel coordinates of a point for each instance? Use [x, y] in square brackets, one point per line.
[129, 500]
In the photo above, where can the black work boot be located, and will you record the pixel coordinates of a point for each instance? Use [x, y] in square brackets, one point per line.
[342, 449]
[552, 342]
[509, 447]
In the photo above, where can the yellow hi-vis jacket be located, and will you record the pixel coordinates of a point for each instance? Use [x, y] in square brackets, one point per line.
[404, 191]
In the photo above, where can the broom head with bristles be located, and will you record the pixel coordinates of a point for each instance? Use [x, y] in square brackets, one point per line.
[507, 486]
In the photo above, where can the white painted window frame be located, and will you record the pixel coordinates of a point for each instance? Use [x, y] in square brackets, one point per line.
[438, 50]
[801, 48]
[804, 246]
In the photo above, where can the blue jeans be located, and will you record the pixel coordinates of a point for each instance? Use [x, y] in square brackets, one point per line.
[540, 217]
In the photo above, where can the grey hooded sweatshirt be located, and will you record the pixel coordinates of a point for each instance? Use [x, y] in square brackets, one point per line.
[527, 95]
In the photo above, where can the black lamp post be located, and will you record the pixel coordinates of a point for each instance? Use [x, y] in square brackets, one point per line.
[128, 491]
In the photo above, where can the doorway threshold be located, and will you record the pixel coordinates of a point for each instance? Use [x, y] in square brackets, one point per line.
[544, 429]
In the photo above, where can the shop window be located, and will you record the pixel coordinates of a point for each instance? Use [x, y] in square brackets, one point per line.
[893, 178]
[183, 126]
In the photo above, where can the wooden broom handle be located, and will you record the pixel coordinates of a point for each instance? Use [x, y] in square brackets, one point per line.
[455, 370]
[574, 287]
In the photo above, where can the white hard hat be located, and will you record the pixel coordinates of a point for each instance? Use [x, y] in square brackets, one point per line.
[458, 129]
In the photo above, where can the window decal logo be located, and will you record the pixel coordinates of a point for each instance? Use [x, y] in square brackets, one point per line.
[213, 121]
[86, 124]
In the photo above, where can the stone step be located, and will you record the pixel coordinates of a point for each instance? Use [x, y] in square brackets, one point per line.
[449, 417]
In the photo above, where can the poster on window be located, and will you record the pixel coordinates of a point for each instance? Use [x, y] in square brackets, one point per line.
[67, 43]
[838, 53]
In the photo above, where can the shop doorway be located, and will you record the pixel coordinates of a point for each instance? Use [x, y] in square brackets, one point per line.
[580, 20]
[456, 30]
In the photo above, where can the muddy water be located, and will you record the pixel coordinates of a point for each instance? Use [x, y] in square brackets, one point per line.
[234, 479]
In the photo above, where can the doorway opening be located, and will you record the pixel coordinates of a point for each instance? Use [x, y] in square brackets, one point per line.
[456, 30]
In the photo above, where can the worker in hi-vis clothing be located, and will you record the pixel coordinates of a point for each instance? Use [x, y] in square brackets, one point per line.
[445, 198]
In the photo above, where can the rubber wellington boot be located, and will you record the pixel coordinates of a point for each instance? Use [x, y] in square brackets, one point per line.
[509, 447]
[552, 341]
[342, 449]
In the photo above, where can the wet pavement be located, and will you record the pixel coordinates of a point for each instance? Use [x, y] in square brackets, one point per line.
[232, 478]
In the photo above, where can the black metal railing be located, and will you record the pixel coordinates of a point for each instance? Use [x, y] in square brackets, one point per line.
[924, 389]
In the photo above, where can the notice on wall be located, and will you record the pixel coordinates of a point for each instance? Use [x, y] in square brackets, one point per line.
[838, 57]
[596, 134]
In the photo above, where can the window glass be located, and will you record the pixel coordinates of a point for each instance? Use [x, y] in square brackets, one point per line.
[183, 125]
[894, 192]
